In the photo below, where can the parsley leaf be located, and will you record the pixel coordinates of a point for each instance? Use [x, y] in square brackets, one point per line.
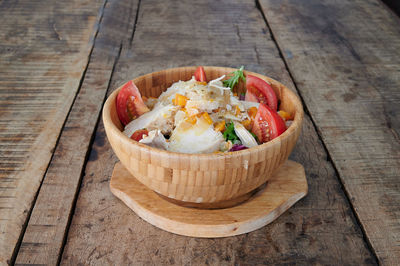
[234, 79]
[229, 133]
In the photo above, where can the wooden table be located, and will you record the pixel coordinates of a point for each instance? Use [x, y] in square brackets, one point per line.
[60, 59]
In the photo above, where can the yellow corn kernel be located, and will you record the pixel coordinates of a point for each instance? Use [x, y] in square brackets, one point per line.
[207, 118]
[247, 124]
[220, 126]
[252, 111]
[202, 83]
[237, 110]
[180, 100]
[192, 120]
[285, 115]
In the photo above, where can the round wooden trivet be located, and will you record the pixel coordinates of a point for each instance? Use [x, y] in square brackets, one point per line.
[286, 187]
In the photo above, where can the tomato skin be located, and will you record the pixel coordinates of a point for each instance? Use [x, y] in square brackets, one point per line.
[138, 134]
[200, 74]
[262, 91]
[268, 124]
[129, 103]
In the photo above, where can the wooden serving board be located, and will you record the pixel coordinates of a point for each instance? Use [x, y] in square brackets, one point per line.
[286, 187]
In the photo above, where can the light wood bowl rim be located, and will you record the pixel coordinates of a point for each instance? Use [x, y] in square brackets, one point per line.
[297, 122]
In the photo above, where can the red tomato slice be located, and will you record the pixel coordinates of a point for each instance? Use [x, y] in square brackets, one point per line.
[268, 124]
[250, 97]
[138, 134]
[200, 75]
[129, 103]
[262, 90]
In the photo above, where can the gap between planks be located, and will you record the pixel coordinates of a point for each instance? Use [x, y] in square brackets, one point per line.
[362, 68]
[29, 173]
[307, 111]
[17, 247]
[76, 186]
[72, 211]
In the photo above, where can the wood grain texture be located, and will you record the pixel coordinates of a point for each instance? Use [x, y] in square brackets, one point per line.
[320, 229]
[287, 186]
[43, 52]
[43, 239]
[201, 178]
[345, 59]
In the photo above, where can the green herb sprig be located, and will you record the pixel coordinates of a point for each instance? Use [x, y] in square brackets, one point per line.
[229, 133]
[234, 79]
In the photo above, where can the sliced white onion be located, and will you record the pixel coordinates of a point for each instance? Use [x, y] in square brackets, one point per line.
[216, 83]
[244, 135]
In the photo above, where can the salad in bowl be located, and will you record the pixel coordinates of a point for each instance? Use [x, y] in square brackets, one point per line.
[209, 141]
[201, 116]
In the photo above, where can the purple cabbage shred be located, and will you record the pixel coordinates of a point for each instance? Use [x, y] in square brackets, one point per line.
[238, 147]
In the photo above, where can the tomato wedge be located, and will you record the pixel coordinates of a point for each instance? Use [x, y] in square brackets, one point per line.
[129, 103]
[268, 124]
[200, 75]
[138, 134]
[250, 97]
[262, 91]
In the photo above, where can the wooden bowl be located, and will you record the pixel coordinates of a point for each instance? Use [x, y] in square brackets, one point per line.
[202, 180]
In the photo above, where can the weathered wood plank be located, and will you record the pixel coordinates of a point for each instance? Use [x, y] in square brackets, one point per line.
[44, 50]
[319, 229]
[43, 239]
[345, 59]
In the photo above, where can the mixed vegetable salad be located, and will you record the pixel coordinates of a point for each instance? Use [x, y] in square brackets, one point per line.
[200, 116]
